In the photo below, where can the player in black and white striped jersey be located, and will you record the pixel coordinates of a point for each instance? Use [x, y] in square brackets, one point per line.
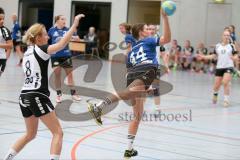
[5, 42]
[226, 55]
[34, 98]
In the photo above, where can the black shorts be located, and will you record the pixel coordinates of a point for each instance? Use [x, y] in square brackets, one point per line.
[2, 64]
[146, 74]
[64, 62]
[221, 72]
[16, 43]
[36, 104]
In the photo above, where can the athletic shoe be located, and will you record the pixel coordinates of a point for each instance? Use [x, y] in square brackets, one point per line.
[214, 100]
[226, 103]
[130, 153]
[95, 112]
[76, 97]
[59, 99]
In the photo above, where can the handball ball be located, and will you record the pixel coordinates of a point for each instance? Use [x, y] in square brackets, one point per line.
[169, 7]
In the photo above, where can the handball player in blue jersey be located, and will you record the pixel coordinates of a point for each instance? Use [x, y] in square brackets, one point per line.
[152, 29]
[62, 59]
[128, 39]
[17, 39]
[141, 73]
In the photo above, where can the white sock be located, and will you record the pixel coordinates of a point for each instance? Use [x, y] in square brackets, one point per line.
[54, 157]
[99, 104]
[226, 98]
[10, 155]
[130, 141]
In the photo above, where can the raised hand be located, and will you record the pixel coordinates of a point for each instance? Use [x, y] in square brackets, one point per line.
[77, 19]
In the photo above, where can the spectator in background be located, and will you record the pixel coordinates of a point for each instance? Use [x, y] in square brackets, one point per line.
[187, 55]
[174, 53]
[198, 64]
[91, 39]
[212, 63]
[16, 37]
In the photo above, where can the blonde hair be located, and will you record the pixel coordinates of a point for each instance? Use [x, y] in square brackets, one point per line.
[227, 30]
[31, 34]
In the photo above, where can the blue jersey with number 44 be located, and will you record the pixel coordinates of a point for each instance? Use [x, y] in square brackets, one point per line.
[144, 52]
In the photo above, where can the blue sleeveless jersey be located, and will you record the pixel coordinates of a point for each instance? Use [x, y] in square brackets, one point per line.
[56, 35]
[16, 34]
[129, 39]
[144, 52]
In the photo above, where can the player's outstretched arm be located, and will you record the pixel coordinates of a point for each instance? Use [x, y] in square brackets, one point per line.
[166, 37]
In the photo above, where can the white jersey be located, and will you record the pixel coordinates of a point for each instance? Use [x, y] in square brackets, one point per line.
[224, 54]
[35, 67]
[5, 35]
